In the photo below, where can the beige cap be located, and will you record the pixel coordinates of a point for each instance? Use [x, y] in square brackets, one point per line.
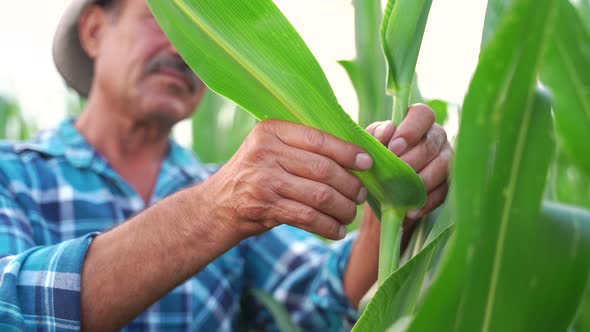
[70, 58]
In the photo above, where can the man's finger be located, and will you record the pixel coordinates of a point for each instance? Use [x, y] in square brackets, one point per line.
[437, 170]
[319, 196]
[382, 131]
[307, 218]
[427, 149]
[313, 140]
[418, 121]
[434, 199]
[322, 169]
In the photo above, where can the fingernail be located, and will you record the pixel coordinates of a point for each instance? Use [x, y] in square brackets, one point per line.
[398, 146]
[342, 232]
[363, 161]
[362, 196]
[380, 130]
[414, 214]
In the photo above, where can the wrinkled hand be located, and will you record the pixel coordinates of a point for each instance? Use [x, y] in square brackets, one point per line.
[286, 173]
[423, 145]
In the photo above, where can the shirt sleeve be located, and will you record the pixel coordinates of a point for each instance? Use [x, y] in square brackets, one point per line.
[39, 285]
[303, 273]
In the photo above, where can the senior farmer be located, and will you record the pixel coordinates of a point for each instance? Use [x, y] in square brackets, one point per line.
[106, 223]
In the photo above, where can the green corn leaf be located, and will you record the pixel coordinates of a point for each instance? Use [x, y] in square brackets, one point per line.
[567, 74]
[247, 51]
[402, 30]
[219, 128]
[398, 295]
[440, 109]
[503, 153]
[582, 323]
[567, 183]
[277, 310]
[368, 71]
[583, 7]
[494, 12]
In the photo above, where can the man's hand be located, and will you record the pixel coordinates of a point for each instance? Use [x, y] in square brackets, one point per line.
[286, 173]
[423, 145]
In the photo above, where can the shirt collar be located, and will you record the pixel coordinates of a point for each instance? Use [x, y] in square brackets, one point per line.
[66, 141]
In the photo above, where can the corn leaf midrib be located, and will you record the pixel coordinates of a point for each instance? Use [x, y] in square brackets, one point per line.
[513, 179]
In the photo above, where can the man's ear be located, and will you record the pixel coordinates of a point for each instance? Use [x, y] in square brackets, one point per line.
[91, 26]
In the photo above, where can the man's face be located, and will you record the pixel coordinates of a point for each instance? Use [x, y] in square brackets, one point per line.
[137, 67]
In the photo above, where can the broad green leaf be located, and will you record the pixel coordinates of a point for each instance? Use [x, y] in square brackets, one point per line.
[567, 183]
[398, 295]
[219, 128]
[12, 122]
[561, 268]
[402, 30]
[440, 109]
[582, 323]
[494, 12]
[277, 310]
[583, 7]
[247, 51]
[567, 74]
[368, 71]
[497, 184]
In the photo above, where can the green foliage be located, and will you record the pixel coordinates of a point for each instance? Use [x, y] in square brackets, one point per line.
[12, 123]
[497, 276]
[515, 263]
[219, 128]
[567, 75]
[368, 71]
[273, 82]
[398, 295]
[441, 110]
[277, 310]
[403, 27]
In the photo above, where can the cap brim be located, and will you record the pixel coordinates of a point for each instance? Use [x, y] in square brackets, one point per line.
[71, 60]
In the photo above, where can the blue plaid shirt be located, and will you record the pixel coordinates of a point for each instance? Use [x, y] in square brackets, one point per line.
[57, 193]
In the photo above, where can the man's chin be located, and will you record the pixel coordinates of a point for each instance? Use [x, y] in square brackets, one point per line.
[168, 110]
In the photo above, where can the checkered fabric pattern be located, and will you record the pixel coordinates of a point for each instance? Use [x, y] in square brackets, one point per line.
[57, 194]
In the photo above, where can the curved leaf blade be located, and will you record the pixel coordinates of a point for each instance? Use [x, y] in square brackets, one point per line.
[402, 31]
[498, 180]
[398, 295]
[247, 51]
[567, 74]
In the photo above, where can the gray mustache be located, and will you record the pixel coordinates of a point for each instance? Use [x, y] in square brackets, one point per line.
[176, 64]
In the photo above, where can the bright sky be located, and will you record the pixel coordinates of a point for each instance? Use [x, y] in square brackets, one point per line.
[447, 60]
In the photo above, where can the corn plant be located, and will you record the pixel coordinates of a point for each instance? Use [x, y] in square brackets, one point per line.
[12, 123]
[498, 271]
[219, 128]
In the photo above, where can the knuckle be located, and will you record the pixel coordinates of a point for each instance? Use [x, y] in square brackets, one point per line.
[446, 155]
[306, 216]
[431, 147]
[314, 138]
[267, 126]
[322, 169]
[252, 210]
[440, 133]
[322, 196]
